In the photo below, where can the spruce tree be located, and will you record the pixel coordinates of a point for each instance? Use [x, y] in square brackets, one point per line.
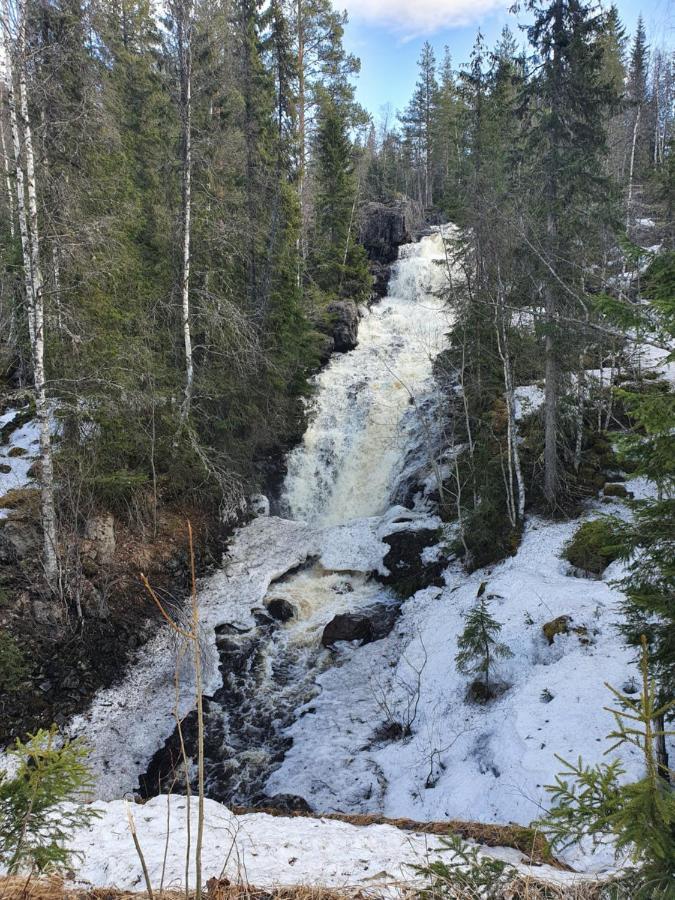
[479, 647]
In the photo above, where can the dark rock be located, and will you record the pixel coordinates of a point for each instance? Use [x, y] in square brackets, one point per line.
[348, 627]
[616, 490]
[5, 469]
[371, 624]
[407, 571]
[22, 535]
[280, 609]
[342, 325]
[286, 803]
[384, 227]
[381, 273]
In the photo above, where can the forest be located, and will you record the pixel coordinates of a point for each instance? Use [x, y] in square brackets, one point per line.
[304, 411]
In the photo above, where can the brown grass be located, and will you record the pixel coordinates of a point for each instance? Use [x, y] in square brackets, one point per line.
[22, 888]
[524, 887]
[531, 843]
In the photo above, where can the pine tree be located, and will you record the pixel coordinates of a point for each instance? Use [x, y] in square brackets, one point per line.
[479, 647]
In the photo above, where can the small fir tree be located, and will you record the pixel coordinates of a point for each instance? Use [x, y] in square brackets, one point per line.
[40, 805]
[480, 648]
[593, 802]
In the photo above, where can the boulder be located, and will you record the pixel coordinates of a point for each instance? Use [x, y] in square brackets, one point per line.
[381, 273]
[348, 627]
[384, 227]
[280, 609]
[368, 625]
[99, 531]
[408, 573]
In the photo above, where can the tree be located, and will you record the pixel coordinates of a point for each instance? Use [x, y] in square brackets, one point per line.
[637, 99]
[418, 124]
[569, 142]
[338, 263]
[479, 647]
[41, 803]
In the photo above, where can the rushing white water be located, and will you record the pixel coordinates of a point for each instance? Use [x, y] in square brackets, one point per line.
[337, 498]
[346, 463]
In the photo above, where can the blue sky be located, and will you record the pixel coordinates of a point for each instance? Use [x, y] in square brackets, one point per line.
[387, 35]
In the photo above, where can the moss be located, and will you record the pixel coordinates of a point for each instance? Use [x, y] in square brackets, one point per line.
[561, 625]
[593, 546]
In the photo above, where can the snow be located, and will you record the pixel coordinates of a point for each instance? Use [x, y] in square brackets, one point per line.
[528, 399]
[25, 438]
[488, 763]
[257, 849]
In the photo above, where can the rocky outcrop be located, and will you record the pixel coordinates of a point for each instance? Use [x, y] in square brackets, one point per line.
[341, 326]
[409, 572]
[384, 227]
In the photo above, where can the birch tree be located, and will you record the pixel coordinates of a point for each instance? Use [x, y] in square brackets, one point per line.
[182, 12]
[16, 71]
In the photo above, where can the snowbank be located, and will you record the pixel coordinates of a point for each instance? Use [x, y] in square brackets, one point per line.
[258, 849]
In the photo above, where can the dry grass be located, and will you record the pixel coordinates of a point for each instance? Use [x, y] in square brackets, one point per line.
[522, 888]
[528, 841]
[21, 888]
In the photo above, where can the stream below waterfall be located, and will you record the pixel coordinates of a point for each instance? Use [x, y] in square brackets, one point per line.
[316, 562]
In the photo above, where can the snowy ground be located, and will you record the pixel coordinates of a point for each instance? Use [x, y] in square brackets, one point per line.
[487, 763]
[17, 455]
[257, 849]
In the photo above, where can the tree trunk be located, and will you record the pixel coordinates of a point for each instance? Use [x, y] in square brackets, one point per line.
[632, 167]
[8, 178]
[183, 13]
[35, 298]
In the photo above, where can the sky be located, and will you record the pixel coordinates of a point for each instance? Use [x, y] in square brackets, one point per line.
[387, 35]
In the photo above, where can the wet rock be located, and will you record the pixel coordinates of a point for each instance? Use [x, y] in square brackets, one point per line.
[280, 609]
[381, 273]
[348, 627]
[408, 572]
[384, 227]
[371, 624]
[100, 532]
[342, 325]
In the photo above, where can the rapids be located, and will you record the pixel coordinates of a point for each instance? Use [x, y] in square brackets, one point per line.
[319, 558]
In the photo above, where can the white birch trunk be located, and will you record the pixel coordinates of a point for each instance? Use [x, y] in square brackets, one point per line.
[35, 300]
[632, 167]
[183, 11]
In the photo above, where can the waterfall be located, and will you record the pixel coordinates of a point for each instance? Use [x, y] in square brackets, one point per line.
[344, 467]
[318, 560]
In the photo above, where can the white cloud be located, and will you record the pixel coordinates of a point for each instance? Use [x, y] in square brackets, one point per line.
[415, 18]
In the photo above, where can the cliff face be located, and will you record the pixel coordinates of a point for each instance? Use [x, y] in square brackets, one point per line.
[384, 227]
